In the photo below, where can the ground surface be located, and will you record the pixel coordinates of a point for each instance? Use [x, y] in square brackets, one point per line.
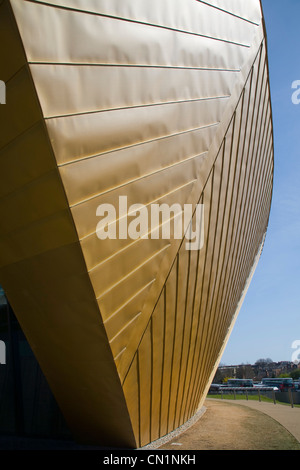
[226, 426]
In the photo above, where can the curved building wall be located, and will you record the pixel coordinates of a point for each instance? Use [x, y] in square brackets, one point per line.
[174, 362]
[161, 105]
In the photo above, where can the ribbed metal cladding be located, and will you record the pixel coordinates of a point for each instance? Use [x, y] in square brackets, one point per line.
[188, 326]
[161, 102]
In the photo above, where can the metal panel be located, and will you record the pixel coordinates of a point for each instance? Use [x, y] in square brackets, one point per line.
[235, 193]
[162, 105]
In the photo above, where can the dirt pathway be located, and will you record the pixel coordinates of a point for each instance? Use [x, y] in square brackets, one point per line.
[226, 426]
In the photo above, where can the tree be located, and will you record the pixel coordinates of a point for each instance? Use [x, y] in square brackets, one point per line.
[225, 380]
[295, 374]
[218, 378]
[245, 372]
[263, 361]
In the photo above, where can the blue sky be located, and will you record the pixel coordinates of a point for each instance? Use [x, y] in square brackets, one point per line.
[269, 321]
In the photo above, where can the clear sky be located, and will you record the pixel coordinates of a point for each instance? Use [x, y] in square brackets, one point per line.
[269, 321]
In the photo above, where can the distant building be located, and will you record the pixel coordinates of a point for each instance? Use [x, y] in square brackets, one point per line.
[256, 371]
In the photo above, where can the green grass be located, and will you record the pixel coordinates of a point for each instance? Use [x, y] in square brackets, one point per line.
[230, 396]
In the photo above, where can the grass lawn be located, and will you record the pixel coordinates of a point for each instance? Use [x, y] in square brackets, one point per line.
[242, 396]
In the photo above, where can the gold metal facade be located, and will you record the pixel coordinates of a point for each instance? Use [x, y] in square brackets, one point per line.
[163, 104]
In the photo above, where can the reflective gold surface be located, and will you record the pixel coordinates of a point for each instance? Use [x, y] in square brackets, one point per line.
[161, 104]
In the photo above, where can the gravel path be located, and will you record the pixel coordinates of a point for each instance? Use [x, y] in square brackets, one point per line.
[233, 426]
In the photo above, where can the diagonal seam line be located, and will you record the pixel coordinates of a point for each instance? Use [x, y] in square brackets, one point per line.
[148, 66]
[136, 144]
[178, 188]
[229, 13]
[122, 329]
[133, 271]
[121, 108]
[129, 20]
[124, 349]
[251, 69]
[134, 180]
[128, 301]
